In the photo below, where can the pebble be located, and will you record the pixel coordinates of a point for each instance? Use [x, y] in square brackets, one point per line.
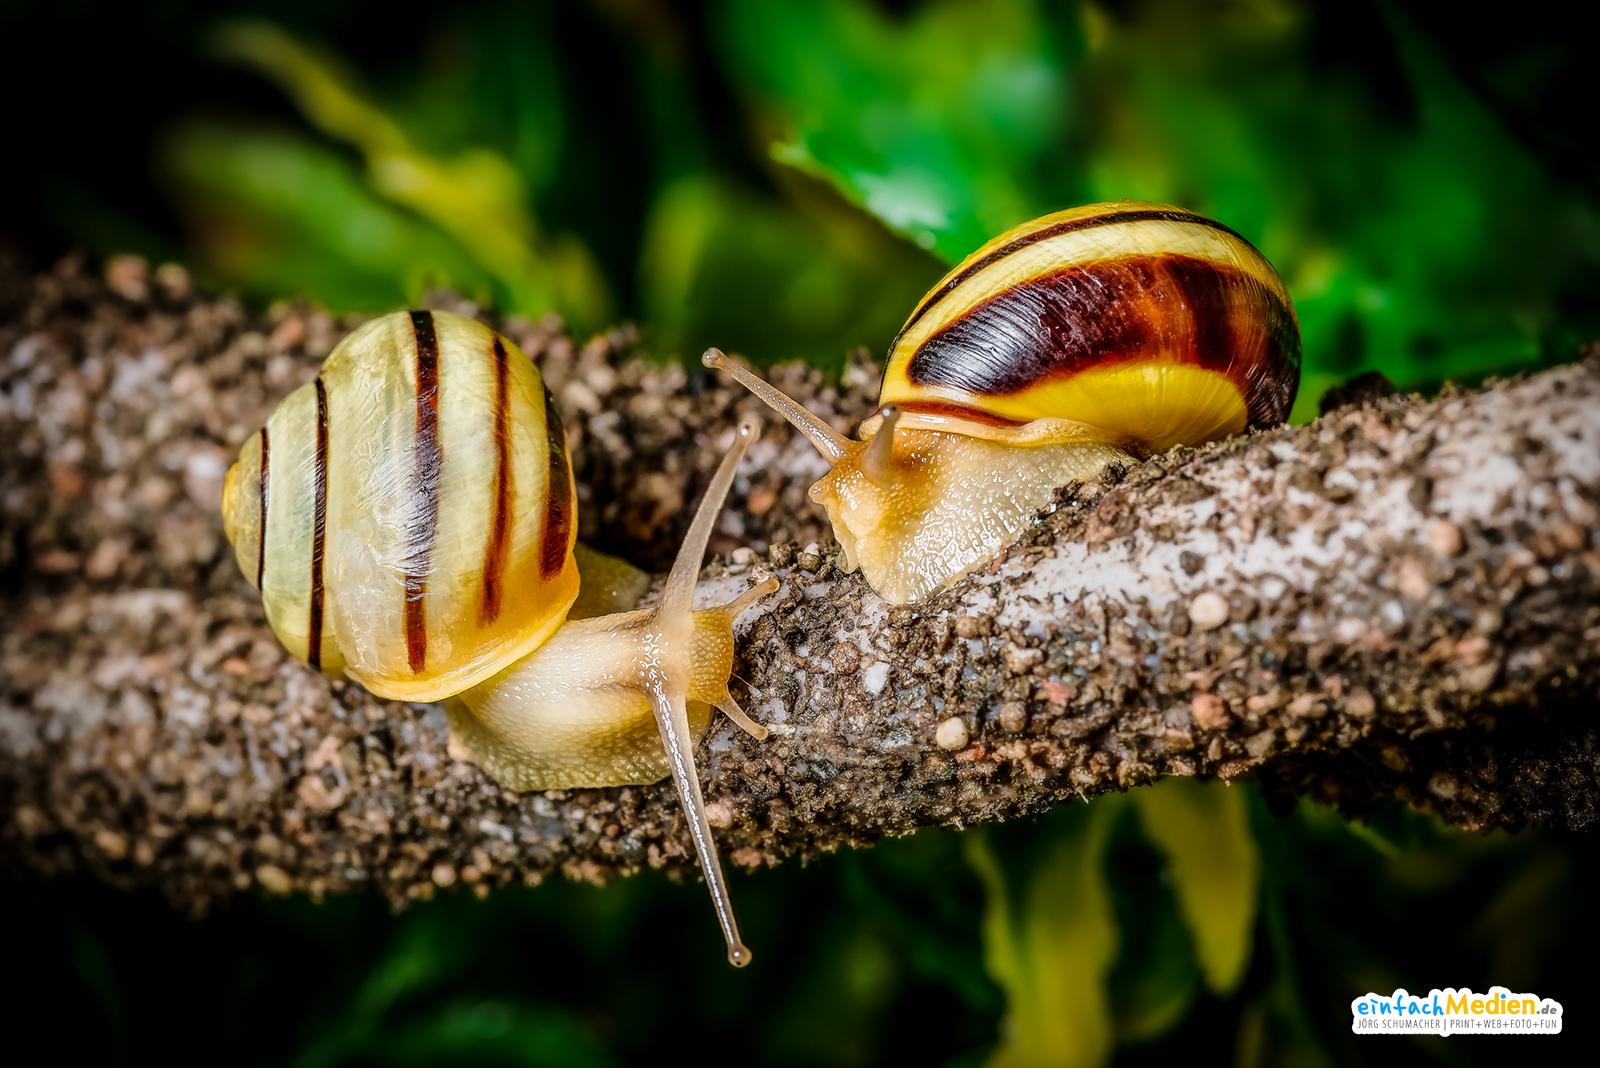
[1350, 630]
[128, 276]
[1412, 578]
[719, 813]
[1471, 651]
[1307, 704]
[1013, 715]
[1361, 704]
[1209, 712]
[1443, 785]
[952, 734]
[1056, 692]
[273, 879]
[1019, 661]
[1571, 536]
[761, 502]
[1445, 539]
[112, 844]
[289, 334]
[174, 281]
[1208, 610]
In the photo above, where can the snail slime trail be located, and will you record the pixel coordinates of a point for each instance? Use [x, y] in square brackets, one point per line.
[1102, 334]
[408, 519]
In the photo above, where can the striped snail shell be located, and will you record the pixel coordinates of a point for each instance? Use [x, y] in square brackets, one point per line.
[409, 520]
[387, 508]
[1086, 337]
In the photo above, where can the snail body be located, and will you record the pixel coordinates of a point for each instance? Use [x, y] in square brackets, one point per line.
[409, 518]
[1096, 335]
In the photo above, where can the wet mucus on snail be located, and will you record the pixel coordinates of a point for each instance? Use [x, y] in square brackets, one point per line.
[1102, 334]
[409, 519]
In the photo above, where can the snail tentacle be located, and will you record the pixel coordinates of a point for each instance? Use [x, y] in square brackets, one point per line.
[731, 708]
[877, 462]
[833, 445]
[672, 670]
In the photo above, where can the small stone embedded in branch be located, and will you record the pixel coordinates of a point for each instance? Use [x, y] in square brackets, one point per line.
[274, 879]
[1209, 610]
[1057, 693]
[1412, 578]
[1470, 652]
[1445, 539]
[1209, 712]
[1020, 660]
[1571, 536]
[1013, 715]
[952, 734]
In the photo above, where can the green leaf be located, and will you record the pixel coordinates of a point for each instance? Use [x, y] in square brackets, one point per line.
[477, 195]
[1050, 935]
[758, 277]
[280, 215]
[1202, 827]
[935, 123]
[1157, 977]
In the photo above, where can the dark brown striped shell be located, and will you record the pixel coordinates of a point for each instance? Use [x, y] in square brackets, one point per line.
[1151, 323]
[409, 515]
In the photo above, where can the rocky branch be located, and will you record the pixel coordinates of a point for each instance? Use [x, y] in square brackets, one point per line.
[1401, 600]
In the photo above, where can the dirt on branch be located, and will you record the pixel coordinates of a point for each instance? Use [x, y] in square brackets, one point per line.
[1401, 600]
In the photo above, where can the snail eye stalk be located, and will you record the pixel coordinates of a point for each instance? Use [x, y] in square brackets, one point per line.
[829, 442]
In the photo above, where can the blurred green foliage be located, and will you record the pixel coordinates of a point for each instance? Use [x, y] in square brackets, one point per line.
[1417, 233]
[1202, 830]
[312, 224]
[476, 197]
[1058, 940]
[938, 123]
[1407, 240]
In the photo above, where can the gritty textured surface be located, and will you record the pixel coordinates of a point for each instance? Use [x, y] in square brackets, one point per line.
[1400, 600]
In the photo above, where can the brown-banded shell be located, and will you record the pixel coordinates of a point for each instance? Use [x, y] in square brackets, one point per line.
[1128, 322]
[409, 515]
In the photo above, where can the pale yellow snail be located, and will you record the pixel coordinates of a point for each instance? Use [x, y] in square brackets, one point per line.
[409, 520]
[1097, 335]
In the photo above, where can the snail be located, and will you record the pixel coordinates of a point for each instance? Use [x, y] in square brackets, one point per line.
[1092, 336]
[409, 519]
